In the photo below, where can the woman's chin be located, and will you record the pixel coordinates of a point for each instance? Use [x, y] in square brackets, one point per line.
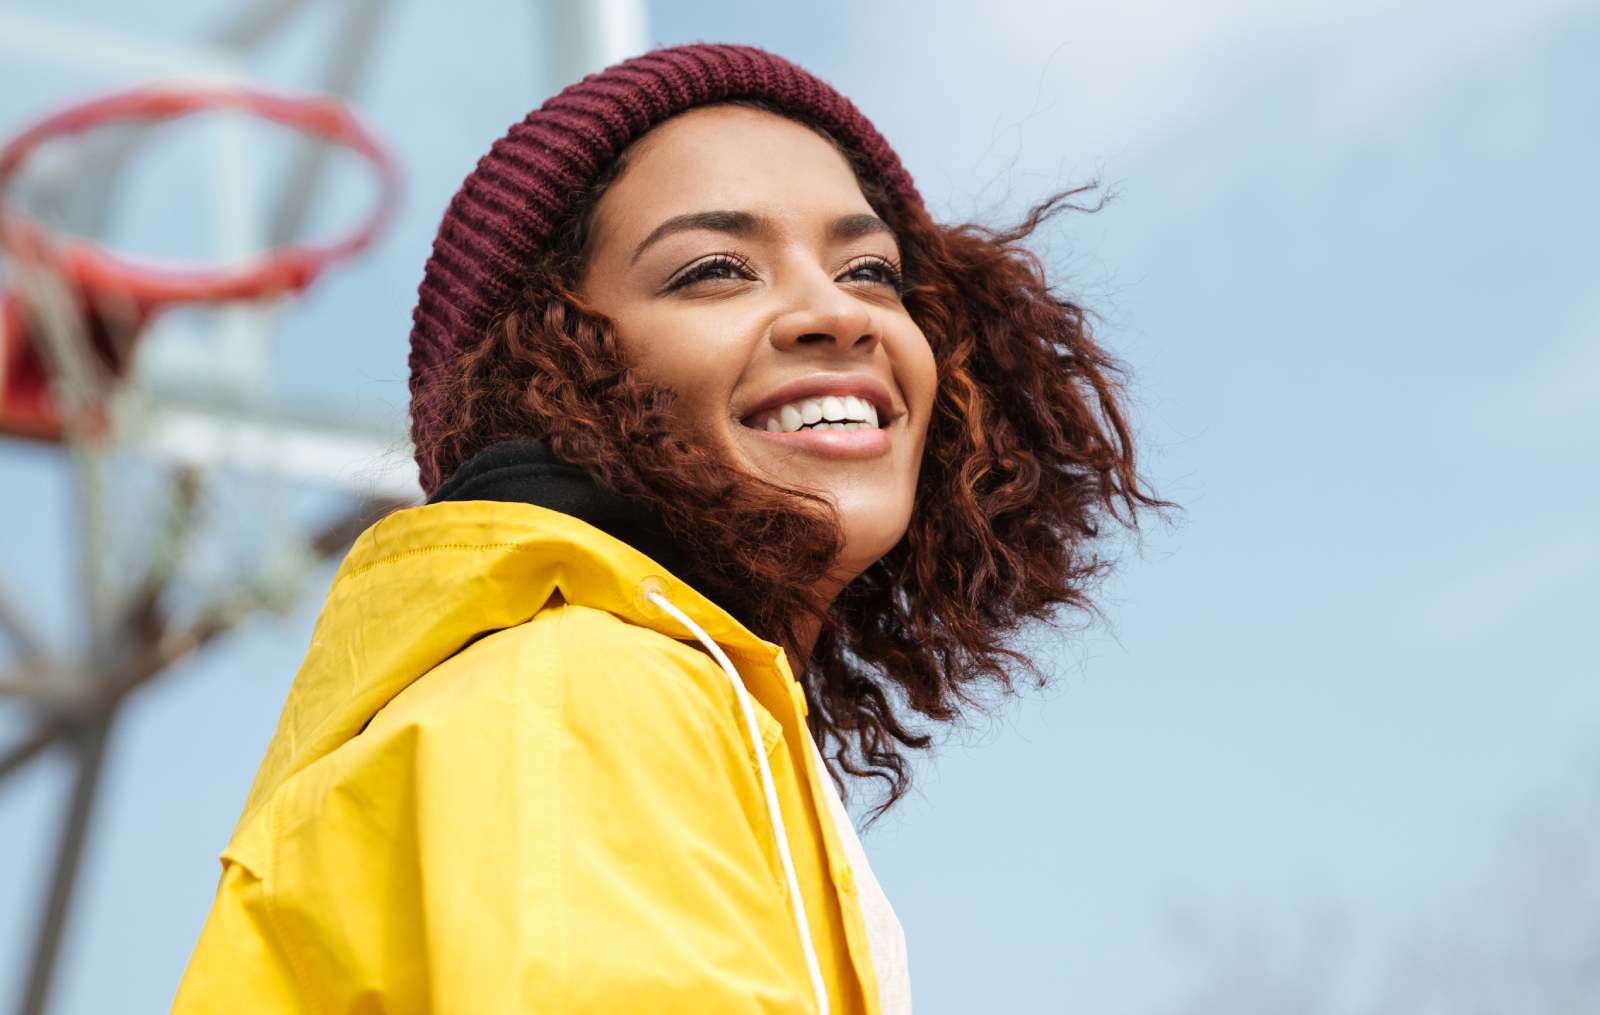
[867, 539]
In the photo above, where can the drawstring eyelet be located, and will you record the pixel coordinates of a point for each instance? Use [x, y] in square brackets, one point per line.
[647, 593]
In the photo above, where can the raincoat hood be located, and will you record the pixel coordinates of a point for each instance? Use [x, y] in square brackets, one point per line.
[479, 560]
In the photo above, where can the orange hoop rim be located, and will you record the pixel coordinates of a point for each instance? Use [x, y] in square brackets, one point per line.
[287, 269]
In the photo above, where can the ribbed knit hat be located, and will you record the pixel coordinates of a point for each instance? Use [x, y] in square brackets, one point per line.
[500, 221]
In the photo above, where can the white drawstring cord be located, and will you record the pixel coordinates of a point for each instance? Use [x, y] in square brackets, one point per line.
[802, 924]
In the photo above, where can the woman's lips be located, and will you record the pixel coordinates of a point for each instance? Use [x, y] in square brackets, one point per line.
[865, 443]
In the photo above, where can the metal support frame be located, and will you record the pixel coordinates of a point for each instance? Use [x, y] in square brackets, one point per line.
[142, 646]
[134, 640]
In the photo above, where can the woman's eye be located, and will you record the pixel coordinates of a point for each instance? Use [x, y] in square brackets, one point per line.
[876, 270]
[714, 268]
[724, 267]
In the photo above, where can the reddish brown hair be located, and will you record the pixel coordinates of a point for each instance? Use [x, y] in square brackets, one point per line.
[1028, 457]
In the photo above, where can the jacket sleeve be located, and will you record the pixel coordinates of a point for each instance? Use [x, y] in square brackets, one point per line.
[239, 966]
[562, 818]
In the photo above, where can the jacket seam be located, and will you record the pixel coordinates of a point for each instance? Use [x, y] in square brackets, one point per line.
[269, 909]
[777, 739]
[752, 761]
[770, 726]
[563, 971]
[422, 551]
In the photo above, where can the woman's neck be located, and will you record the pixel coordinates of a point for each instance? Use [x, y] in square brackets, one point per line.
[809, 627]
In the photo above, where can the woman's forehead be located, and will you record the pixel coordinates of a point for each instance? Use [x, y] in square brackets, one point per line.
[728, 157]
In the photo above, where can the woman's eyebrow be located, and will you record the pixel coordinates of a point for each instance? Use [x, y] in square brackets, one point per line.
[737, 223]
[853, 227]
[743, 223]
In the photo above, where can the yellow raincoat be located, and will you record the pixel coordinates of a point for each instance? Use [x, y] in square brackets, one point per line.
[508, 779]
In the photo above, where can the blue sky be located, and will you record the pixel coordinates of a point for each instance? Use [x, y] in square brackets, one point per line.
[1350, 262]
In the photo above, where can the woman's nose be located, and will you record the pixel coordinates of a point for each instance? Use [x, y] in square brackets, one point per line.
[822, 312]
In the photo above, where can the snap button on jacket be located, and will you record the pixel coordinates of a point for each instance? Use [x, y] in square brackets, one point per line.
[504, 783]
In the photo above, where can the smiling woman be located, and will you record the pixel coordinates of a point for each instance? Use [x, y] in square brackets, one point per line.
[741, 473]
[783, 291]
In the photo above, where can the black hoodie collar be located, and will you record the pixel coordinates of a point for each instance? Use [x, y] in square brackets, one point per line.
[526, 471]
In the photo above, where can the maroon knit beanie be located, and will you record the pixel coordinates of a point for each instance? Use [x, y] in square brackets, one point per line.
[500, 221]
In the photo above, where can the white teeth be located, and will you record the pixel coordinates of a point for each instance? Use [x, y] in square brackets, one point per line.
[830, 412]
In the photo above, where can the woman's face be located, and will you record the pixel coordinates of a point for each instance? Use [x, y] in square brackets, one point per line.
[744, 269]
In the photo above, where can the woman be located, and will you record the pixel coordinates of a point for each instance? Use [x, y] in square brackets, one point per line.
[732, 454]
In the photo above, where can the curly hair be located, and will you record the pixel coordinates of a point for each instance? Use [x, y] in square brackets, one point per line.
[1028, 457]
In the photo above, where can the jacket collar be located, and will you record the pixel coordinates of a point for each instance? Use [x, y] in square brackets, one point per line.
[527, 472]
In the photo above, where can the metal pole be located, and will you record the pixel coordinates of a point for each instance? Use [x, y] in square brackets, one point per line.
[24, 750]
[348, 60]
[584, 36]
[23, 632]
[90, 746]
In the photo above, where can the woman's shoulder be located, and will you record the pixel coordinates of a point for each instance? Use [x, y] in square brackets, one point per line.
[566, 660]
[571, 676]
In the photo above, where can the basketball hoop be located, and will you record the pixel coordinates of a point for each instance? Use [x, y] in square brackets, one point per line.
[115, 297]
